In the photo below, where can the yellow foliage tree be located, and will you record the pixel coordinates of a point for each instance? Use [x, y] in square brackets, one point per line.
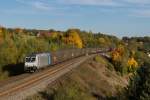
[132, 63]
[1, 34]
[102, 40]
[54, 34]
[73, 38]
[1, 30]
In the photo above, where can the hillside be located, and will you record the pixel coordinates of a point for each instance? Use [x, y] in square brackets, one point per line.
[94, 79]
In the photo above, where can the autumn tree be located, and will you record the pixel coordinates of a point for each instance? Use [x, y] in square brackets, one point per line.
[120, 56]
[2, 31]
[139, 86]
[19, 30]
[73, 38]
[132, 64]
[118, 53]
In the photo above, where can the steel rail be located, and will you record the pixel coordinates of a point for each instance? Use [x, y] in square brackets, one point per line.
[35, 79]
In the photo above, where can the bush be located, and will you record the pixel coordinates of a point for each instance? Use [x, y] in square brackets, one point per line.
[139, 87]
[99, 59]
[73, 91]
[104, 61]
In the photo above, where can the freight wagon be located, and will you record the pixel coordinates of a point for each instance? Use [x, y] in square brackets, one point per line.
[37, 61]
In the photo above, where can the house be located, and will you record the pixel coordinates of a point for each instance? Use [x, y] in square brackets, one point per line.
[41, 34]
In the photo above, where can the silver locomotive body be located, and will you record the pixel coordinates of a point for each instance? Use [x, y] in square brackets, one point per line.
[37, 61]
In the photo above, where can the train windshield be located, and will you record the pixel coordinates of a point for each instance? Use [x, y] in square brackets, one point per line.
[30, 59]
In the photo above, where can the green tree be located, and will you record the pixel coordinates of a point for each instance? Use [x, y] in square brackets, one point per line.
[139, 88]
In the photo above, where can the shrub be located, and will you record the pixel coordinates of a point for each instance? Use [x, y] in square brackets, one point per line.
[72, 92]
[99, 59]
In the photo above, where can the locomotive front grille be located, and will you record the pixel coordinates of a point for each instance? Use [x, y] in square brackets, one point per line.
[28, 69]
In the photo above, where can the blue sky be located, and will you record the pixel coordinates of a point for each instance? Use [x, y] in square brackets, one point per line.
[116, 17]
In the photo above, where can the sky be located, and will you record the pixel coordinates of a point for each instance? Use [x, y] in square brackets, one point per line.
[115, 17]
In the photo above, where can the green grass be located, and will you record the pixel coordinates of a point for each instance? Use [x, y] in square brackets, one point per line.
[100, 59]
[4, 75]
[103, 61]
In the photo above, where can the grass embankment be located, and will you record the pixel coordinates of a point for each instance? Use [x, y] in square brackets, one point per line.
[94, 79]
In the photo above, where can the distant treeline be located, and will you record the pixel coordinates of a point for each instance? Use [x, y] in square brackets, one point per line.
[143, 41]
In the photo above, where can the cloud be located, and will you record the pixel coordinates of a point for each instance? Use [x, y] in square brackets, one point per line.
[141, 13]
[60, 4]
[90, 2]
[130, 7]
[38, 4]
[138, 1]
[114, 3]
[41, 5]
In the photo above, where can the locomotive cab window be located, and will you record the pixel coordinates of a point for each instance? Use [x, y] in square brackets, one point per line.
[32, 59]
[27, 59]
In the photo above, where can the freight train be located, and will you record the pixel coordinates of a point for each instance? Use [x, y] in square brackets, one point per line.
[38, 61]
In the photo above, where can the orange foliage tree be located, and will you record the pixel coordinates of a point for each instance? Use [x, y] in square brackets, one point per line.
[119, 59]
[118, 53]
[122, 60]
[19, 30]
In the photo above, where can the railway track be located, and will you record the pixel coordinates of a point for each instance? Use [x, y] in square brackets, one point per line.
[37, 81]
